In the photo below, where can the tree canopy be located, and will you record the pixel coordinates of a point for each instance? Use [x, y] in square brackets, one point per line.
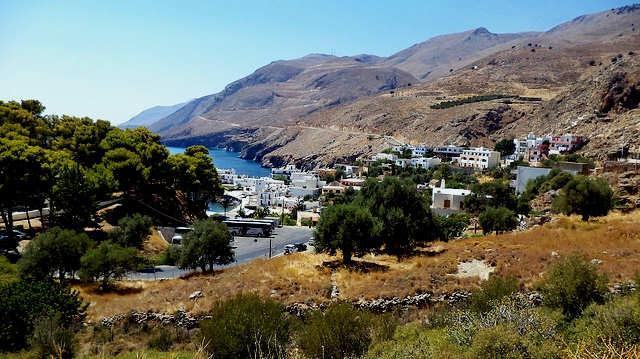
[349, 228]
[586, 196]
[208, 244]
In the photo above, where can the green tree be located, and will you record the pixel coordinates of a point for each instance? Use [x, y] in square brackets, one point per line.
[452, 226]
[74, 197]
[572, 284]
[208, 244]
[505, 147]
[55, 252]
[588, 197]
[22, 167]
[108, 261]
[403, 212]
[347, 227]
[194, 174]
[489, 194]
[132, 230]
[245, 327]
[497, 219]
[24, 302]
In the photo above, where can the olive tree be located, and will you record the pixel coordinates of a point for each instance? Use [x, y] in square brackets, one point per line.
[208, 244]
[347, 227]
[586, 196]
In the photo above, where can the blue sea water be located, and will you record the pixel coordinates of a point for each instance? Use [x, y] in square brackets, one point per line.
[225, 159]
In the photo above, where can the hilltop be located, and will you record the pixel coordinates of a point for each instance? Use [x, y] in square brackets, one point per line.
[321, 109]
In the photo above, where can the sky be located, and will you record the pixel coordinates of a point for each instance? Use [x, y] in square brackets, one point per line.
[112, 59]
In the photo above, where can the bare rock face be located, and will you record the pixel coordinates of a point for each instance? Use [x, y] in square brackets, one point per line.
[544, 201]
[622, 95]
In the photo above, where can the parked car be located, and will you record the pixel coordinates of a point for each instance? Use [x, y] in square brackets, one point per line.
[178, 234]
[301, 247]
[289, 248]
[16, 233]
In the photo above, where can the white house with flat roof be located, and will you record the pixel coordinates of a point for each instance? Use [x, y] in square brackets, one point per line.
[446, 201]
[480, 158]
[422, 162]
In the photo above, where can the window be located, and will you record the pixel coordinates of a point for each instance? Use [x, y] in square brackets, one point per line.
[447, 203]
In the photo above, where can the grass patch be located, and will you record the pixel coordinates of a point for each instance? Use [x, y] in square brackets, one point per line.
[481, 98]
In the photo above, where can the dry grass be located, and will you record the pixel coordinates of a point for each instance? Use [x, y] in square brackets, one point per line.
[615, 240]
[285, 278]
[154, 244]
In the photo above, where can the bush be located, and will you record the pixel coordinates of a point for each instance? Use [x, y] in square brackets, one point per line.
[572, 284]
[497, 343]
[8, 271]
[246, 327]
[23, 302]
[617, 321]
[52, 338]
[170, 256]
[162, 341]
[340, 332]
[497, 287]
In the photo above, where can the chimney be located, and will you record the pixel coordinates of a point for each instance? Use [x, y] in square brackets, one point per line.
[442, 183]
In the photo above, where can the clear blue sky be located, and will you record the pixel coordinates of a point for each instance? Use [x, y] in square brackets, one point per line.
[112, 59]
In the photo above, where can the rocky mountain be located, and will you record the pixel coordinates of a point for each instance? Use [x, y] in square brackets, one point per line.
[151, 115]
[320, 109]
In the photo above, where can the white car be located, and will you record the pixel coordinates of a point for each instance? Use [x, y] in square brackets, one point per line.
[290, 248]
[177, 235]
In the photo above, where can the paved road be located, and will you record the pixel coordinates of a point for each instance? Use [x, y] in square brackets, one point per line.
[247, 249]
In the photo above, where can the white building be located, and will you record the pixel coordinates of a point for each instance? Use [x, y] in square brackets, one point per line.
[385, 157]
[403, 162]
[446, 201]
[422, 162]
[286, 171]
[479, 157]
[449, 150]
[227, 176]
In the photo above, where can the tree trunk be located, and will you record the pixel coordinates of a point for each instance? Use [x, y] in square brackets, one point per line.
[26, 211]
[41, 218]
[346, 255]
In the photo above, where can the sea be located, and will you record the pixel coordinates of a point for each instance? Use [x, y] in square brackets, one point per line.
[226, 159]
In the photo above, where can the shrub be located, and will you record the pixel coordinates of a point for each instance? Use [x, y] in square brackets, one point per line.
[617, 321]
[492, 290]
[23, 302]
[162, 342]
[572, 284]
[52, 338]
[170, 256]
[246, 327]
[8, 271]
[497, 343]
[340, 332]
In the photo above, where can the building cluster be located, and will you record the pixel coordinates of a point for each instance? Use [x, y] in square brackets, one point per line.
[534, 149]
[289, 187]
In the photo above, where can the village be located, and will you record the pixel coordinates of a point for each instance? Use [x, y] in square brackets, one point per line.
[304, 193]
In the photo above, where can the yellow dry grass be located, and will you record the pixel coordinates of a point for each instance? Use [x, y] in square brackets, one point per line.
[154, 244]
[615, 240]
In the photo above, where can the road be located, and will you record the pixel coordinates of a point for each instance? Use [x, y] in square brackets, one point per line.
[247, 249]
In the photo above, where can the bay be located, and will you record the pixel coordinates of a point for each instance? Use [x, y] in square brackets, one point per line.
[223, 159]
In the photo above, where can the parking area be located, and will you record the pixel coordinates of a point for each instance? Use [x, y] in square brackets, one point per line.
[247, 249]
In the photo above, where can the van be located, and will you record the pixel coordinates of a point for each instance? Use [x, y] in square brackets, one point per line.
[178, 234]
